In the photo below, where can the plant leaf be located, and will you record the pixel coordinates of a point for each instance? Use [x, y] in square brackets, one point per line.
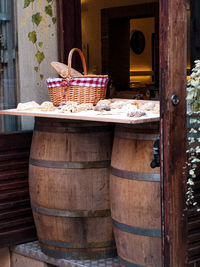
[27, 3]
[36, 69]
[54, 20]
[40, 56]
[41, 77]
[32, 37]
[40, 44]
[36, 18]
[49, 1]
[48, 10]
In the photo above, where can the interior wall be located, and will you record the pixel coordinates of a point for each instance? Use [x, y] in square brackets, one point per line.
[142, 62]
[91, 28]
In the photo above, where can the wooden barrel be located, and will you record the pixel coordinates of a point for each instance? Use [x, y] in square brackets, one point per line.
[69, 188]
[135, 196]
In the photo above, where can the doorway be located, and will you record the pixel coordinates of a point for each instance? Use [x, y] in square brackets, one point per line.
[134, 71]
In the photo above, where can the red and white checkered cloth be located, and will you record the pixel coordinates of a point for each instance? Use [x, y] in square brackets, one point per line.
[89, 81]
[54, 82]
[81, 81]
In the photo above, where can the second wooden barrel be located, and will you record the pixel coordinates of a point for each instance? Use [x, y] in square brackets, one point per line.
[69, 188]
[135, 196]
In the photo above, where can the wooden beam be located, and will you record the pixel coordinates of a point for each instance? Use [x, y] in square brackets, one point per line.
[69, 30]
[173, 62]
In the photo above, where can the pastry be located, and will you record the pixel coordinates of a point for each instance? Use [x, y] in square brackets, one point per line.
[101, 107]
[148, 106]
[28, 106]
[136, 113]
[47, 106]
[156, 109]
[117, 104]
[70, 106]
[85, 106]
[104, 101]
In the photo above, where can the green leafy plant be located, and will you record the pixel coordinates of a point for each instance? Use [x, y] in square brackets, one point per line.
[34, 36]
[193, 151]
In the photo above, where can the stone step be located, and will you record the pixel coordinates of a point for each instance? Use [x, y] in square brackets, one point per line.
[30, 255]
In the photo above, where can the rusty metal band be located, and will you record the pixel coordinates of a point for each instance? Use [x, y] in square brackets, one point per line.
[137, 230]
[69, 165]
[71, 214]
[135, 136]
[80, 254]
[148, 177]
[60, 244]
[128, 263]
[59, 128]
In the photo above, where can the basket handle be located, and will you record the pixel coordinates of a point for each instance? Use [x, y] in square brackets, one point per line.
[82, 60]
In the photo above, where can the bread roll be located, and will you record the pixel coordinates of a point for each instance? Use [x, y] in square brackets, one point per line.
[62, 69]
[47, 106]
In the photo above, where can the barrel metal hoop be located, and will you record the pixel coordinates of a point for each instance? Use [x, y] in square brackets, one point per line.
[129, 264]
[59, 128]
[136, 136]
[80, 254]
[71, 214]
[137, 230]
[149, 177]
[60, 244]
[69, 165]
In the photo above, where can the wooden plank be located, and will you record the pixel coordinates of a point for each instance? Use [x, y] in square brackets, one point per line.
[14, 164]
[22, 193]
[103, 117]
[13, 174]
[16, 220]
[14, 204]
[14, 184]
[24, 212]
[15, 141]
[173, 62]
[14, 155]
[17, 236]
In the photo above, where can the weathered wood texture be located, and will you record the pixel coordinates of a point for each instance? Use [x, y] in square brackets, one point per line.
[135, 196]
[16, 220]
[69, 188]
[86, 116]
[69, 30]
[173, 62]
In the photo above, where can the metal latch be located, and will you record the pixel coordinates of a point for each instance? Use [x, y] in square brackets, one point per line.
[156, 152]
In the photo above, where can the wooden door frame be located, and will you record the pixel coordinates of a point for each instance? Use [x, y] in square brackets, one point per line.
[173, 63]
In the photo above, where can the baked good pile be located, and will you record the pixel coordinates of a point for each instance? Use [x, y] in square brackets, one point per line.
[129, 108]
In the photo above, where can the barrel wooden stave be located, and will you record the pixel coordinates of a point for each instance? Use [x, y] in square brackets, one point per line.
[137, 249]
[135, 202]
[135, 197]
[72, 190]
[69, 188]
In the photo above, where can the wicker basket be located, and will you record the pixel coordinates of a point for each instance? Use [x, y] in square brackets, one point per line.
[81, 89]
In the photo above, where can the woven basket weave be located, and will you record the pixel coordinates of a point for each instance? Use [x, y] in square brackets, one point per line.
[63, 90]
